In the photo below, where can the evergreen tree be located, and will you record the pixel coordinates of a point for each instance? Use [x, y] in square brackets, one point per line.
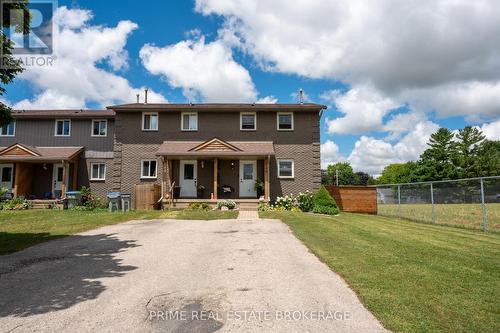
[436, 163]
[467, 152]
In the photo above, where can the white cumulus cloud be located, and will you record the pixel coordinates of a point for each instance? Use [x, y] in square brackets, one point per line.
[84, 71]
[202, 70]
[330, 153]
[417, 51]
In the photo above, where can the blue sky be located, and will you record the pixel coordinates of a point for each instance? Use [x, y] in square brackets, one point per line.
[385, 95]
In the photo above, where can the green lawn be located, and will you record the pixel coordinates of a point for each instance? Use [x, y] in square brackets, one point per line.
[461, 215]
[414, 277]
[20, 229]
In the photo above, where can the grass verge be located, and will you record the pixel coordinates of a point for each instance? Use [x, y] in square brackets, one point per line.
[21, 229]
[413, 277]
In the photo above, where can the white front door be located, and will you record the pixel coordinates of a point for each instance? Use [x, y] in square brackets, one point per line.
[188, 174]
[248, 175]
[57, 180]
[6, 176]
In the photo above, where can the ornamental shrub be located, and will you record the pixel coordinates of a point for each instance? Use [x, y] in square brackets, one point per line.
[305, 201]
[229, 204]
[286, 203]
[199, 206]
[324, 203]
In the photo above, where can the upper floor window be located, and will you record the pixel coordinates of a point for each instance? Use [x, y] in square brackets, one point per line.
[150, 121]
[99, 127]
[63, 127]
[9, 130]
[148, 169]
[286, 168]
[98, 171]
[248, 121]
[189, 121]
[285, 121]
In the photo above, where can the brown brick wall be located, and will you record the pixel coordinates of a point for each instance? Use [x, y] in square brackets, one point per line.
[302, 145]
[98, 188]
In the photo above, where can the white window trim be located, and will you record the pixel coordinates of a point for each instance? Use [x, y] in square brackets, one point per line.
[142, 169]
[278, 121]
[92, 171]
[55, 129]
[293, 168]
[92, 128]
[157, 121]
[182, 121]
[241, 121]
[9, 135]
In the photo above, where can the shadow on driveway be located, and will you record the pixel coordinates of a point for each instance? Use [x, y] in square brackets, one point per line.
[59, 274]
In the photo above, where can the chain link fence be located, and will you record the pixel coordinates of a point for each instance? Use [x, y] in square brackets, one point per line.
[470, 203]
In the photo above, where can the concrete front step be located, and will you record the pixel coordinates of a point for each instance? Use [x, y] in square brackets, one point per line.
[242, 204]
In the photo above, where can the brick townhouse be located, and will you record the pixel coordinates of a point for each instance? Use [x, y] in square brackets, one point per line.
[195, 151]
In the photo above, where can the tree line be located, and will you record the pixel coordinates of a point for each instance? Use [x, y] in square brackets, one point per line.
[465, 154]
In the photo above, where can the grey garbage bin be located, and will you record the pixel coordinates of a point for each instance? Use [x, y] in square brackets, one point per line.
[114, 201]
[125, 202]
[73, 198]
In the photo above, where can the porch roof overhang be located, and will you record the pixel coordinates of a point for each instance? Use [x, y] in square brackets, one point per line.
[24, 153]
[216, 148]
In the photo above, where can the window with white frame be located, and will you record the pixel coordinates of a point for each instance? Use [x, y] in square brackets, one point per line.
[63, 127]
[150, 121]
[9, 130]
[99, 127]
[285, 121]
[98, 171]
[286, 168]
[148, 169]
[248, 121]
[189, 121]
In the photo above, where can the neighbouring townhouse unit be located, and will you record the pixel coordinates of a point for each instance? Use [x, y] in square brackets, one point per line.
[197, 151]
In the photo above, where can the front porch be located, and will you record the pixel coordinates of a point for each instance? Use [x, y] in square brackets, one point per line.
[215, 169]
[39, 173]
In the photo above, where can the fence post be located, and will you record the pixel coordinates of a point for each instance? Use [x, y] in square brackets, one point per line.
[399, 201]
[433, 207]
[483, 206]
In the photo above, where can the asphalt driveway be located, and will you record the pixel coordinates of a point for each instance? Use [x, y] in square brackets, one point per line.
[181, 276]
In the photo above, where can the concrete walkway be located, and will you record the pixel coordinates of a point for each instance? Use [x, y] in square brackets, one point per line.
[177, 276]
[248, 215]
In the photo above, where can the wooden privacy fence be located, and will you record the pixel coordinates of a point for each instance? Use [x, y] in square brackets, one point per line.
[355, 199]
[147, 196]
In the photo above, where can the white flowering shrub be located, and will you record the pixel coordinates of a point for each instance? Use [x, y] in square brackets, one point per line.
[229, 204]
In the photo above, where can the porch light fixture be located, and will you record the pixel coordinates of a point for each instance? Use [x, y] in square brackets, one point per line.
[45, 166]
[203, 164]
[232, 164]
